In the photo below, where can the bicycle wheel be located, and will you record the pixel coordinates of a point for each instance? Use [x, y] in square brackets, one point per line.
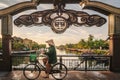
[59, 71]
[31, 71]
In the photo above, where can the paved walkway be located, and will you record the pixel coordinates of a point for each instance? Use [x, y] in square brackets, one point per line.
[72, 75]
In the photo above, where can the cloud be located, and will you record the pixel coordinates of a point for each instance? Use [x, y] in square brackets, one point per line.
[72, 35]
[2, 5]
[40, 35]
[45, 6]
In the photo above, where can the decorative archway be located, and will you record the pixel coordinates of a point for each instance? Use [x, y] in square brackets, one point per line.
[59, 18]
[57, 21]
[113, 14]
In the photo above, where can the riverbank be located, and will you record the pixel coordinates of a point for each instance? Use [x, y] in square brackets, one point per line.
[93, 51]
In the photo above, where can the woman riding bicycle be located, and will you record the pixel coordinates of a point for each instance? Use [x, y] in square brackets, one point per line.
[51, 57]
[58, 70]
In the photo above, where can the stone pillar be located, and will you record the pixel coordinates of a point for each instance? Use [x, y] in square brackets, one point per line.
[5, 64]
[114, 33]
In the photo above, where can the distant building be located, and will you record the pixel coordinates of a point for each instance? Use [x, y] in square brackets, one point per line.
[28, 43]
[17, 39]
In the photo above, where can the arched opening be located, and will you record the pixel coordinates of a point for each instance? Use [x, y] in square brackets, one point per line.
[73, 33]
[7, 18]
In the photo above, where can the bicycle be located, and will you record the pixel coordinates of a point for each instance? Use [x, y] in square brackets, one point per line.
[33, 70]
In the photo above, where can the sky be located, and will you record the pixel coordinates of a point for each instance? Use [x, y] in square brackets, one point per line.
[73, 34]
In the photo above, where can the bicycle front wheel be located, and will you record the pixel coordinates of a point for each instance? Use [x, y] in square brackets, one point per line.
[59, 71]
[31, 71]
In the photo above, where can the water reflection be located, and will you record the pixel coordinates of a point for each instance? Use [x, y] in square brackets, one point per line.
[67, 52]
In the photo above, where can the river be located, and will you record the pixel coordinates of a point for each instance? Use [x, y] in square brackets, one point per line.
[66, 53]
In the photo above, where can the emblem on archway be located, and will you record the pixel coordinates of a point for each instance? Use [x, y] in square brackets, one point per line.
[59, 24]
[59, 18]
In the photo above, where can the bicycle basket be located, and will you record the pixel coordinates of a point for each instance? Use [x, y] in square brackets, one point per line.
[33, 57]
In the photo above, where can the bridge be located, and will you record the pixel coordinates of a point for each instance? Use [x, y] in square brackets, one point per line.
[72, 75]
[7, 58]
[82, 63]
[93, 68]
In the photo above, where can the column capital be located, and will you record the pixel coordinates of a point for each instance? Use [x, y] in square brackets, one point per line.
[114, 24]
[7, 27]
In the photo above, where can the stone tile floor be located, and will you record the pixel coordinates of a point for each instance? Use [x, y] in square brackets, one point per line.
[72, 75]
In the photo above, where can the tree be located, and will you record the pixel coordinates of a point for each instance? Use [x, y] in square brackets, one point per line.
[69, 45]
[42, 45]
[90, 38]
[82, 44]
[35, 46]
[90, 42]
[96, 44]
[18, 46]
[25, 44]
[61, 47]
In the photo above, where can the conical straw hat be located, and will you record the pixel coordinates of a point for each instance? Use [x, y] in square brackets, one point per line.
[50, 42]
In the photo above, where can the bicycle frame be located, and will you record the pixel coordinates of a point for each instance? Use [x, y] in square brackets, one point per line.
[40, 65]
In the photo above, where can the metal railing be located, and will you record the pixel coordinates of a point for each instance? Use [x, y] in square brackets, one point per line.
[86, 63]
[1, 58]
[72, 62]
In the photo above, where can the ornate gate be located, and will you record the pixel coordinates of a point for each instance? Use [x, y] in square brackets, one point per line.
[59, 19]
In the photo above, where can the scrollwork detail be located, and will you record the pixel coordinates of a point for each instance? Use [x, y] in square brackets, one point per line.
[47, 18]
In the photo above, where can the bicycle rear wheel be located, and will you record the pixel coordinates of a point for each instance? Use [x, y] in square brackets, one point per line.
[59, 71]
[31, 71]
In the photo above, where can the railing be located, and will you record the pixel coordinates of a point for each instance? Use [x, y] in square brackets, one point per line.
[85, 63]
[1, 58]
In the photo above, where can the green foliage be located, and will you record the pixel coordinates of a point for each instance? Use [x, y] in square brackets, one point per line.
[90, 43]
[69, 45]
[100, 52]
[81, 44]
[42, 46]
[38, 46]
[35, 46]
[19, 44]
